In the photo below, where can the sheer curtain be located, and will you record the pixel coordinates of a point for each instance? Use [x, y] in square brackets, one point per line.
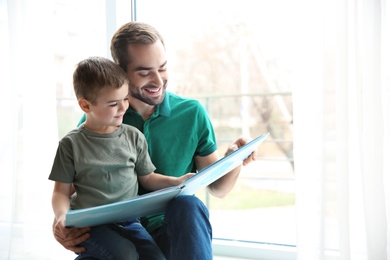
[341, 130]
[28, 132]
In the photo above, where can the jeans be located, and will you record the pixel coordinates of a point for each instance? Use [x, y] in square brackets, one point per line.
[186, 233]
[126, 240]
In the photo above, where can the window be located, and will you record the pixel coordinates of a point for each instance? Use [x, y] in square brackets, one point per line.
[235, 58]
[224, 53]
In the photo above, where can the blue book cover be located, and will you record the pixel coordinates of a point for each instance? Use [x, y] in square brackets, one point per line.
[156, 201]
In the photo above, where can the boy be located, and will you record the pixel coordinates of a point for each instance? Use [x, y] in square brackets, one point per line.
[102, 159]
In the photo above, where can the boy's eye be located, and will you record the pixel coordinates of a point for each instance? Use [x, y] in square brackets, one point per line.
[113, 105]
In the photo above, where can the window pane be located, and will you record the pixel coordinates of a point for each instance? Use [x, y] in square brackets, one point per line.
[75, 39]
[234, 56]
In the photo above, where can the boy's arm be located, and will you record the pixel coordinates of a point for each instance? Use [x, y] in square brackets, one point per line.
[61, 204]
[61, 200]
[67, 237]
[156, 181]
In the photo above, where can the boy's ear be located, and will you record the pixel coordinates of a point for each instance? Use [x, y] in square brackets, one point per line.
[84, 105]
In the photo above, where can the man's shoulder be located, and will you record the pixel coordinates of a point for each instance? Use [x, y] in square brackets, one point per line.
[175, 99]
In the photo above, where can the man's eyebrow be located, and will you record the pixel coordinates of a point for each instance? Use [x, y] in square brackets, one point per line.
[149, 68]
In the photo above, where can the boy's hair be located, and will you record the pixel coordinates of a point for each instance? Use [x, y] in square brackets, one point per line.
[132, 33]
[95, 73]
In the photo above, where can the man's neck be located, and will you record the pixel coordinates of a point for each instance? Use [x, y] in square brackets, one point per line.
[142, 108]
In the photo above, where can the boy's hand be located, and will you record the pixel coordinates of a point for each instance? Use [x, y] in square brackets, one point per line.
[185, 177]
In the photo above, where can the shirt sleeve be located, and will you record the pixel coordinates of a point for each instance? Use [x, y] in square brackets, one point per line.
[63, 166]
[207, 142]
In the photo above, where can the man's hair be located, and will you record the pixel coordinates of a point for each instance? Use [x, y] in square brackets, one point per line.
[95, 73]
[132, 33]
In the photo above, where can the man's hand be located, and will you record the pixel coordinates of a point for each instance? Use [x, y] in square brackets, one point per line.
[70, 237]
[237, 144]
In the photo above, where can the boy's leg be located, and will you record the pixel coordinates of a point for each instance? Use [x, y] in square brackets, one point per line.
[143, 241]
[187, 231]
[106, 243]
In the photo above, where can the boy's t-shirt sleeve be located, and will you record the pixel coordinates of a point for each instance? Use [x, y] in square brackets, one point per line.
[63, 168]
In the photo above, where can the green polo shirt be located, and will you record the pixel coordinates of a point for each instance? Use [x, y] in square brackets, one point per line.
[178, 130]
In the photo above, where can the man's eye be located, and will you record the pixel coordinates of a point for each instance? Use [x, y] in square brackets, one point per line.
[144, 74]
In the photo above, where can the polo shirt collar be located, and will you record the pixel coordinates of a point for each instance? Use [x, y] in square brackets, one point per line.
[164, 108]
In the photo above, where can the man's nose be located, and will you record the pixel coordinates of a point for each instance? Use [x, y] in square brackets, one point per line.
[158, 80]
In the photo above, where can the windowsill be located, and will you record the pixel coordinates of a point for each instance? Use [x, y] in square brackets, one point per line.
[252, 250]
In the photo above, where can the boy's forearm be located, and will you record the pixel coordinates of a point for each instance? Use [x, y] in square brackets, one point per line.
[156, 181]
[60, 204]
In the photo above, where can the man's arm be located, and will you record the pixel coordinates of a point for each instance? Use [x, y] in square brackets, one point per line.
[221, 187]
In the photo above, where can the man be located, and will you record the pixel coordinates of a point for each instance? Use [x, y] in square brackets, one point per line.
[181, 139]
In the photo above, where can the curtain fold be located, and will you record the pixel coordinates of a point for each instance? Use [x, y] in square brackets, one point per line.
[29, 128]
[341, 131]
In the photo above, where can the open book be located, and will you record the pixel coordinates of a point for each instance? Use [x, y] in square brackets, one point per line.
[157, 201]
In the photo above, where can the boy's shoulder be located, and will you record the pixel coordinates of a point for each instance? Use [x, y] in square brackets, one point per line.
[131, 130]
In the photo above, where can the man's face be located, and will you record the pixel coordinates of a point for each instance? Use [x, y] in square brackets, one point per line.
[147, 72]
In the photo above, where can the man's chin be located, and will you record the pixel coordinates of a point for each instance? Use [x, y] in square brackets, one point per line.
[150, 100]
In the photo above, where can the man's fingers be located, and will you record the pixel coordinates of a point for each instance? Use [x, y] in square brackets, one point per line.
[72, 238]
[72, 244]
[251, 158]
[75, 233]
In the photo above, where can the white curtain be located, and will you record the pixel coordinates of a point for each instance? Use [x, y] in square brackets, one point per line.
[28, 132]
[341, 97]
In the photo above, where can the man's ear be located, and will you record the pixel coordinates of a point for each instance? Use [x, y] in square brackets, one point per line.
[84, 105]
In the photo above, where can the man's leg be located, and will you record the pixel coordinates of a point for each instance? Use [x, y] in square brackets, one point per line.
[187, 232]
[106, 243]
[143, 241]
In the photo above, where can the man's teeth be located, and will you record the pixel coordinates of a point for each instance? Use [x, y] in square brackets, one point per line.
[153, 90]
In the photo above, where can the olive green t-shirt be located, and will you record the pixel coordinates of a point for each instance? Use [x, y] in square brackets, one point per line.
[102, 167]
[178, 130]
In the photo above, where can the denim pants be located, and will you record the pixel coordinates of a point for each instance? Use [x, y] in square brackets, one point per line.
[126, 240]
[186, 233]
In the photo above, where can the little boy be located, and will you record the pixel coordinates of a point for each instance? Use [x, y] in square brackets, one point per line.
[103, 160]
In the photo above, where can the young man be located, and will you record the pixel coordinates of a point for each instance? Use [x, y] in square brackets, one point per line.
[180, 137]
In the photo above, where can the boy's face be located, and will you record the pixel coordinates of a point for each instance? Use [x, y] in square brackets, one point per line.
[147, 72]
[111, 104]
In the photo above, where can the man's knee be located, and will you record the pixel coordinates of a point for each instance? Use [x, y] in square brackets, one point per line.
[187, 206]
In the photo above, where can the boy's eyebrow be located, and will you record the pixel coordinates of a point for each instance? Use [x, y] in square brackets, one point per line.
[150, 68]
[116, 100]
